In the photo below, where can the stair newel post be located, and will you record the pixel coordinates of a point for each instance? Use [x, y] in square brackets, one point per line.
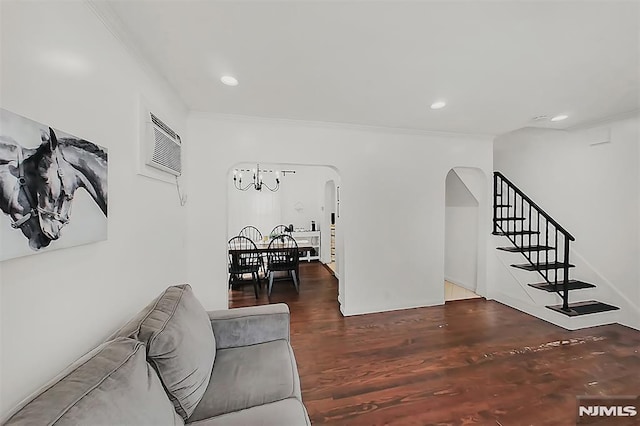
[565, 278]
[495, 202]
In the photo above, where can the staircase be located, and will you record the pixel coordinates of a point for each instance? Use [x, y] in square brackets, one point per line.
[543, 242]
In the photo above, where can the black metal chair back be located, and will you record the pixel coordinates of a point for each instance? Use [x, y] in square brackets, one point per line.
[283, 254]
[252, 233]
[244, 258]
[279, 230]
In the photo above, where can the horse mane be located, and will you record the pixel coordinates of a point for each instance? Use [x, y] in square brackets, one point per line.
[84, 145]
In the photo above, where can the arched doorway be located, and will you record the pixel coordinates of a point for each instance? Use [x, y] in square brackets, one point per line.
[465, 239]
[304, 200]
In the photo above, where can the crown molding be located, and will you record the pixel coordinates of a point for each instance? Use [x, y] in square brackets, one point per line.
[634, 113]
[103, 10]
[338, 125]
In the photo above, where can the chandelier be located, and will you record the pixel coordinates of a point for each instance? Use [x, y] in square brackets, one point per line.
[257, 180]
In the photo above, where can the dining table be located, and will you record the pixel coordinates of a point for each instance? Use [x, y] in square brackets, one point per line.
[262, 247]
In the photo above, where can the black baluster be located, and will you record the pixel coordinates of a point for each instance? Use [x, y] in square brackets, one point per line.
[495, 202]
[565, 298]
[530, 221]
[546, 240]
[538, 239]
[556, 257]
[521, 211]
[508, 208]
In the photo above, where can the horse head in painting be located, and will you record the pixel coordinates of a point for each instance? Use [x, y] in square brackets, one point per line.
[18, 197]
[57, 169]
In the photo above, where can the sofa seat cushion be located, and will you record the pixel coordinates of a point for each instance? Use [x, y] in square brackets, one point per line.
[111, 385]
[287, 412]
[180, 344]
[248, 376]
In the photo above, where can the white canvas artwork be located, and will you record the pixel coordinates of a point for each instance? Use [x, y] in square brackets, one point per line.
[53, 188]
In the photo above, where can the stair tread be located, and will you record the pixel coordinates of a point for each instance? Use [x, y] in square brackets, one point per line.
[573, 285]
[500, 219]
[541, 266]
[584, 308]
[513, 249]
[505, 233]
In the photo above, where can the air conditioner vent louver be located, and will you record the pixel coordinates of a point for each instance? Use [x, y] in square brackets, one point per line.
[166, 154]
[163, 126]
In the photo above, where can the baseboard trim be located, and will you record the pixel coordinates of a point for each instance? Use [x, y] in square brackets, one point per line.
[374, 310]
[461, 284]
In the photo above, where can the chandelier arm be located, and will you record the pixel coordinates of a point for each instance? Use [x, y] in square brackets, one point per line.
[239, 186]
[274, 189]
[257, 182]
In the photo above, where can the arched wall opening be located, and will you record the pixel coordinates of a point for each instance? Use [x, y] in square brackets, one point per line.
[301, 200]
[466, 215]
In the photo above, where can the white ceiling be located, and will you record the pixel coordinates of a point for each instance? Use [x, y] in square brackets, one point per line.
[497, 64]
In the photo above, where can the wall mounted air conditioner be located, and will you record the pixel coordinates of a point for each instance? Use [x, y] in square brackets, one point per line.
[164, 149]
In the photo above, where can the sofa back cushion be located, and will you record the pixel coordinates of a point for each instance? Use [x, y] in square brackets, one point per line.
[180, 344]
[111, 385]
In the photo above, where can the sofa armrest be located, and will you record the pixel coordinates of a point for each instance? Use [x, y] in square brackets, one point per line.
[250, 326]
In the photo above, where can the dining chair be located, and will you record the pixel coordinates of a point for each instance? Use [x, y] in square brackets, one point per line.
[252, 233]
[255, 235]
[283, 255]
[280, 230]
[244, 258]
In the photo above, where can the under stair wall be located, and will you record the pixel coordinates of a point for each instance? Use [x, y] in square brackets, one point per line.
[588, 180]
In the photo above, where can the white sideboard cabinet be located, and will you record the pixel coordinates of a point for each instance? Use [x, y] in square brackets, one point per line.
[313, 237]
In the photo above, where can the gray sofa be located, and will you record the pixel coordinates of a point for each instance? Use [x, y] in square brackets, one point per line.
[176, 364]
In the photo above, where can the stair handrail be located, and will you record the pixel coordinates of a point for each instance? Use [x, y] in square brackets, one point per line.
[537, 207]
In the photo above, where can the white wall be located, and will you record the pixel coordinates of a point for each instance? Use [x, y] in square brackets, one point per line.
[60, 65]
[391, 194]
[591, 190]
[461, 234]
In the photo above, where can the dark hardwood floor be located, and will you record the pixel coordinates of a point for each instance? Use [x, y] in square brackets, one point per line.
[464, 363]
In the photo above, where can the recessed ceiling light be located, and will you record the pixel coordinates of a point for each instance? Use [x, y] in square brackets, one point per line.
[560, 117]
[438, 105]
[229, 81]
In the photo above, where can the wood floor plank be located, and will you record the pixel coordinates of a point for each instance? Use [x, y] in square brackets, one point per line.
[471, 362]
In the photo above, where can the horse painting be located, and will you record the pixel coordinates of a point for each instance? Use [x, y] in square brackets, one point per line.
[58, 170]
[38, 186]
[17, 196]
